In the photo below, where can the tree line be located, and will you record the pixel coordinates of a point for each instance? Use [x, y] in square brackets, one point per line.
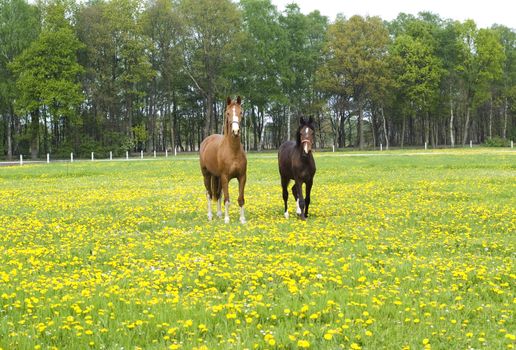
[152, 75]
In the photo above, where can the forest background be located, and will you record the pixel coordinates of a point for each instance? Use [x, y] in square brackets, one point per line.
[133, 75]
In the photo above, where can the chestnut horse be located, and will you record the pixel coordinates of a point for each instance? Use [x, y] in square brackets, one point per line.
[296, 162]
[222, 158]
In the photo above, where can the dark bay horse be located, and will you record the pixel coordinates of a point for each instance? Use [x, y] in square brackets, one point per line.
[296, 162]
[222, 158]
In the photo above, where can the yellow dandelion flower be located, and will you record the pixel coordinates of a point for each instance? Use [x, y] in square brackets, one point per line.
[303, 344]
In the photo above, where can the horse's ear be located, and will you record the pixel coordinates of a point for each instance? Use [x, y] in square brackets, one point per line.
[311, 120]
[301, 121]
[239, 100]
[228, 100]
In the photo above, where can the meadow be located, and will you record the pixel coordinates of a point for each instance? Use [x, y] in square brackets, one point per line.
[400, 251]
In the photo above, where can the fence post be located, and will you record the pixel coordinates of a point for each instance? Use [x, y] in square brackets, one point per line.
[381, 147]
[166, 152]
[127, 155]
[21, 159]
[71, 157]
[175, 151]
[141, 154]
[92, 156]
[333, 148]
[48, 158]
[512, 144]
[154, 153]
[470, 144]
[110, 155]
[426, 146]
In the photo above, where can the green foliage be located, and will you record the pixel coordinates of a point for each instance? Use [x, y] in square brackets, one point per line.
[140, 135]
[48, 74]
[74, 73]
[418, 72]
[497, 142]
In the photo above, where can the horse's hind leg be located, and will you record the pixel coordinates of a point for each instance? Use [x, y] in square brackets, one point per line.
[295, 193]
[218, 197]
[224, 181]
[241, 200]
[208, 185]
[284, 186]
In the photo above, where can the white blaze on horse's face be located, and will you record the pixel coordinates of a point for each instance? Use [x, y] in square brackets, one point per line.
[305, 142]
[235, 125]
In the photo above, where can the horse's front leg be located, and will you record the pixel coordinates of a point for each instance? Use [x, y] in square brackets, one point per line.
[300, 199]
[295, 193]
[224, 181]
[309, 184]
[241, 201]
[284, 186]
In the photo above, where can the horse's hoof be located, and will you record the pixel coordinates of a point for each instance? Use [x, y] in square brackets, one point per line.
[243, 221]
[286, 215]
[226, 220]
[219, 214]
[210, 217]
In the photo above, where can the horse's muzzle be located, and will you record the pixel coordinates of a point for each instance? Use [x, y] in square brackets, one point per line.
[307, 146]
[235, 128]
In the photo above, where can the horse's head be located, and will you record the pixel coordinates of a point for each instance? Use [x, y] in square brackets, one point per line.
[234, 116]
[306, 135]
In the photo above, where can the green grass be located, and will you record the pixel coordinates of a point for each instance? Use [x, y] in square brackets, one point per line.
[401, 250]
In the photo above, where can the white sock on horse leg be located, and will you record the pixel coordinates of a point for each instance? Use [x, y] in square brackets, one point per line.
[226, 217]
[298, 209]
[242, 216]
[219, 210]
[286, 214]
[210, 215]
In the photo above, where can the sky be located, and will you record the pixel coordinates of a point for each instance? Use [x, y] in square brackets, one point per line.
[484, 12]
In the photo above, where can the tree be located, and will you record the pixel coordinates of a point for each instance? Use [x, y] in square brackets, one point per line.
[48, 76]
[482, 62]
[508, 86]
[356, 49]
[490, 57]
[418, 75]
[213, 34]
[19, 26]
[162, 23]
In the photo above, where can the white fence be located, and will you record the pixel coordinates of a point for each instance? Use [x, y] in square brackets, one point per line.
[142, 156]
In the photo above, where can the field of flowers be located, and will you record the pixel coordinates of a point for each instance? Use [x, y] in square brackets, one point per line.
[399, 252]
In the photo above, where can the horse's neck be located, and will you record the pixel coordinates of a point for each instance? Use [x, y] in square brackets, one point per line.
[302, 157]
[233, 142]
